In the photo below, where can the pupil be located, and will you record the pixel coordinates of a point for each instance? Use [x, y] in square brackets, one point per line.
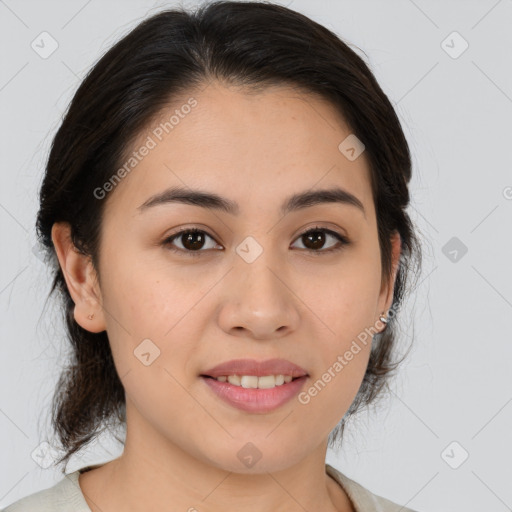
[315, 236]
[314, 240]
[194, 245]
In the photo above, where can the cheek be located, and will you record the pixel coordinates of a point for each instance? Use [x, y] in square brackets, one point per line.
[150, 333]
[146, 298]
[345, 298]
[344, 304]
[342, 361]
[151, 320]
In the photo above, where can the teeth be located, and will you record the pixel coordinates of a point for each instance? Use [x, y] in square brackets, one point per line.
[252, 381]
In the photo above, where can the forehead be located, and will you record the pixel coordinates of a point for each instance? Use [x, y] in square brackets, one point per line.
[253, 147]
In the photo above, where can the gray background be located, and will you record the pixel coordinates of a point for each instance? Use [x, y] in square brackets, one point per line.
[456, 385]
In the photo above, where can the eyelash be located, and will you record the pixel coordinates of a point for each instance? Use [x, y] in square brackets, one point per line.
[343, 241]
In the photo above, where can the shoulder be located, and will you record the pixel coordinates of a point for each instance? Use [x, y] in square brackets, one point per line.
[363, 499]
[64, 496]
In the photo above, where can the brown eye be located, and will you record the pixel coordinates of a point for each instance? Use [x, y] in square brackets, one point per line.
[192, 241]
[314, 239]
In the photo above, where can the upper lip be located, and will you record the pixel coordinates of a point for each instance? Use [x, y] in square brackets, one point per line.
[257, 368]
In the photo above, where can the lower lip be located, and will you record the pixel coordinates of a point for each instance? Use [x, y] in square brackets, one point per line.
[256, 400]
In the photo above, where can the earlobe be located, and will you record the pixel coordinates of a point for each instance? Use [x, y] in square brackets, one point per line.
[81, 279]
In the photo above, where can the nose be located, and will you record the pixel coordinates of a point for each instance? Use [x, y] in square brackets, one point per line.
[257, 300]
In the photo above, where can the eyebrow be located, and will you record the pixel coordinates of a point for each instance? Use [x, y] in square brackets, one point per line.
[213, 201]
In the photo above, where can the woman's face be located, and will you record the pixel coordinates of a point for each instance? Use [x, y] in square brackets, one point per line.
[246, 286]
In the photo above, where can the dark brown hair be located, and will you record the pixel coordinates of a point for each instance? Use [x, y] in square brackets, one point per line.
[249, 44]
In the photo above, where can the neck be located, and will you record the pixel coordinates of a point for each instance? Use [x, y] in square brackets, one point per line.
[155, 474]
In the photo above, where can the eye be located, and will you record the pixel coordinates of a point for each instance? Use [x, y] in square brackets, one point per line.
[192, 240]
[316, 237]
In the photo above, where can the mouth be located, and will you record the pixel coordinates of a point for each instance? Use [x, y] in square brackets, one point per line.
[254, 381]
[244, 392]
[255, 386]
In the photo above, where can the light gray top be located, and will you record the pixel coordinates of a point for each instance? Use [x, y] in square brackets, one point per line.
[66, 496]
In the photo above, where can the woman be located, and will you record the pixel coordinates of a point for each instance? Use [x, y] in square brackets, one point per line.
[224, 206]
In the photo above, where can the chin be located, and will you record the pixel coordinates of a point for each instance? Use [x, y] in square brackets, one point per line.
[251, 458]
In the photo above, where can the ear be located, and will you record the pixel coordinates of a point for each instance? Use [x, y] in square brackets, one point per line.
[388, 285]
[80, 278]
